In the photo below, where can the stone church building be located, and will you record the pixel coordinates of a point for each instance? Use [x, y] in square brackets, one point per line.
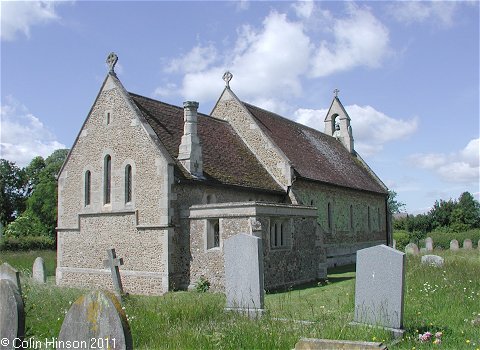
[165, 186]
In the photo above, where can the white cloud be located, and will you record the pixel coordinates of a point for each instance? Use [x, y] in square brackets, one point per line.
[371, 128]
[438, 12]
[23, 135]
[460, 166]
[271, 61]
[360, 39]
[20, 16]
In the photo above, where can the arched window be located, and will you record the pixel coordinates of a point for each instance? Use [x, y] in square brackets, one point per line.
[379, 219]
[88, 187]
[107, 179]
[128, 183]
[369, 219]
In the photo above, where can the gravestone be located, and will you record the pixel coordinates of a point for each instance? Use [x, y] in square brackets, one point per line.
[328, 344]
[411, 248]
[38, 271]
[114, 263]
[467, 244]
[394, 245]
[433, 260]
[9, 273]
[429, 244]
[379, 288]
[454, 245]
[244, 274]
[12, 316]
[96, 320]
[478, 245]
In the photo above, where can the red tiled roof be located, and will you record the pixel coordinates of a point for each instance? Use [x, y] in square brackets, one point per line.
[315, 155]
[226, 158]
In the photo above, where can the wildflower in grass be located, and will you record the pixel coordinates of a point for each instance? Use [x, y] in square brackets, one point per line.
[437, 341]
[438, 335]
[467, 341]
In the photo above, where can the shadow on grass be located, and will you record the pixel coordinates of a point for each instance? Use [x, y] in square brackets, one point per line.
[334, 275]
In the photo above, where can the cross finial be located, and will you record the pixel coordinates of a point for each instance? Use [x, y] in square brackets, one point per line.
[336, 91]
[112, 61]
[227, 76]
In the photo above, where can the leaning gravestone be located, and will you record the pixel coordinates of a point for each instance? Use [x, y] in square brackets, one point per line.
[9, 273]
[113, 262]
[38, 271]
[433, 260]
[411, 248]
[429, 244]
[12, 316]
[244, 274]
[95, 321]
[454, 245]
[379, 288]
[467, 244]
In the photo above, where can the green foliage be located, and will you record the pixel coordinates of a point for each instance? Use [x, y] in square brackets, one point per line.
[25, 243]
[27, 224]
[441, 239]
[12, 194]
[402, 238]
[202, 285]
[394, 206]
[23, 260]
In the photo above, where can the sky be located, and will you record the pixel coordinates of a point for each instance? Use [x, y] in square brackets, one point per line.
[408, 74]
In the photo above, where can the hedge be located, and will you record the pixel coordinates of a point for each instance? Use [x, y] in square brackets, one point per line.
[27, 243]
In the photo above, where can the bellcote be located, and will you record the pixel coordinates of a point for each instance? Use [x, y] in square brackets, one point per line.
[337, 123]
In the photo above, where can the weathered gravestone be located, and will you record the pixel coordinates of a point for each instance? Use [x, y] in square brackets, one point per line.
[429, 244]
[454, 245]
[328, 344]
[95, 321]
[379, 288]
[38, 271]
[114, 263]
[9, 273]
[411, 248]
[12, 316]
[478, 245]
[394, 244]
[244, 274]
[433, 260]
[467, 244]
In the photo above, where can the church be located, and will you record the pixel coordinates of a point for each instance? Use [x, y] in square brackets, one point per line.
[165, 186]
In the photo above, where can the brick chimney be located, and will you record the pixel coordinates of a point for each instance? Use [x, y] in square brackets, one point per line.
[190, 150]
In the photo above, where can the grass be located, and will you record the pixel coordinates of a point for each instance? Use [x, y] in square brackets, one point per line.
[23, 260]
[436, 299]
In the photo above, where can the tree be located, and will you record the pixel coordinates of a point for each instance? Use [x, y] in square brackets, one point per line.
[394, 206]
[32, 171]
[12, 196]
[466, 214]
[43, 200]
[441, 213]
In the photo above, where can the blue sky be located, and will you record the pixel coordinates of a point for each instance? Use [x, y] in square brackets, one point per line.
[408, 74]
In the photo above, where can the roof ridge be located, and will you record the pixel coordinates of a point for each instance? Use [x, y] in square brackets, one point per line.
[287, 119]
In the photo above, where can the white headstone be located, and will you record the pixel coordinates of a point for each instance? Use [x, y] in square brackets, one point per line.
[12, 316]
[411, 248]
[38, 271]
[467, 244]
[429, 244]
[454, 245]
[9, 273]
[433, 260]
[379, 287]
[244, 273]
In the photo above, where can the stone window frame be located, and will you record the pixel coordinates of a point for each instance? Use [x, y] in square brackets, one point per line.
[108, 117]
[128, 183]
[87, 188]
[352, 218]
[329, 216]
[280, 233]
[369, 220]
[209, 198]
[209, 235]
[379, 225]
[107, 179]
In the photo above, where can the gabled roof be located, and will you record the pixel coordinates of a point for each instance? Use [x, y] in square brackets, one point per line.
[315, 155]
[226, 158]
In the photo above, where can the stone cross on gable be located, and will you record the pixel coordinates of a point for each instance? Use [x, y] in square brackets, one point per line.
[336, 91]
[227, 77]
[113, 263]
[112, 61]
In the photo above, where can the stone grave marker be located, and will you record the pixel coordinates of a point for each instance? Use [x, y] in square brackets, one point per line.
[12, 315]
[454, 245]
[467, 244]
[411, 248]
[96, 321]
[328, 344]
[478, 245]
[394, 244]
[433, 260]
[9, 273]
[379, 288]
[114, 263]
[244, 274]
[38, 271]
[429, 244]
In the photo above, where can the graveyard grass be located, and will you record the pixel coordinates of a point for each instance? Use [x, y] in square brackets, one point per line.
[443, 299]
